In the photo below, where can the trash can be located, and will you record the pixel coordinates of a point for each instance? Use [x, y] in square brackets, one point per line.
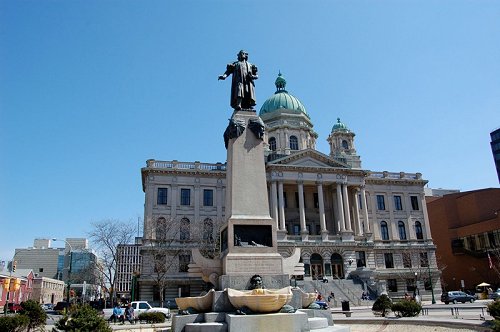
[345, 306]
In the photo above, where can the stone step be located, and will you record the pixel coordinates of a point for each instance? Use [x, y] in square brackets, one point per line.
[317, 323]
[206, 327]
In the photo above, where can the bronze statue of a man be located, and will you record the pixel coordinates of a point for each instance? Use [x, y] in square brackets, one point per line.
[243, 86]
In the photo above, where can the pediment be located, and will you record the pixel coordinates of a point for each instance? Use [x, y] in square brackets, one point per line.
[308, 158]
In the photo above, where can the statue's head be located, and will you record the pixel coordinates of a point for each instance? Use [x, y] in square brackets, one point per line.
[256, 282]
[242, 55]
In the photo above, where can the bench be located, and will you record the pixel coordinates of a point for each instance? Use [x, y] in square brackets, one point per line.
[346, 313]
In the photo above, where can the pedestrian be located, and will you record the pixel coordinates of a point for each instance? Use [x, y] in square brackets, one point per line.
[129, 314]
[117, 314]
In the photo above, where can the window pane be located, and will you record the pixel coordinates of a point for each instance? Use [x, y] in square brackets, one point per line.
[208, 197]
[185, 196]
[294, 143]
[402, 230]
[397, 203]
[162, 196]
[414, 202]
[185, 229]
[389, 263]
[418, 230]
[272, 144]
[384, 231]
[406, 260]
[380, 202]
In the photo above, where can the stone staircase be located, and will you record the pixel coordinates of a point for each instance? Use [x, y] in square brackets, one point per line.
[344, 290]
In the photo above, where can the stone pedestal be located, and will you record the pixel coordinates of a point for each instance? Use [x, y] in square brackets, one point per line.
[249, 237]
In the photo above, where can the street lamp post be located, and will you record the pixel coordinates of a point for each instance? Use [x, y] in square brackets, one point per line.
[430, 281]
[416, 285]
[69, 267]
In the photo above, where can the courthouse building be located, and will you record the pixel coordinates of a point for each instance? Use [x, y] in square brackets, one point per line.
[349, 222]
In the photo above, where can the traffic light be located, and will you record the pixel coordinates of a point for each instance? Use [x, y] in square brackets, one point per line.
[14, 266]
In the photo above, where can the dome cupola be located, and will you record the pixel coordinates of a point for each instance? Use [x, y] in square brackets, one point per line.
[282, 100]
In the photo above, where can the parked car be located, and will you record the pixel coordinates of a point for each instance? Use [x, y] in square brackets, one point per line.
[495, 295]
[47, 306]
[456, 296]
[139, 307]
[61, 306]
[14, 307]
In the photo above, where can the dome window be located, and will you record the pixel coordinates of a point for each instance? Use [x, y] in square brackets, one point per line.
[345, 145]
[294, 143]
[272, 144]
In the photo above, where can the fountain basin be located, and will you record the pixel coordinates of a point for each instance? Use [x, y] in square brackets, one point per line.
[260, 300]
[198, 303]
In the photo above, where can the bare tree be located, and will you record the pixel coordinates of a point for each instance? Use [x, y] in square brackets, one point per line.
[417, 267]
[168, 249]
[106, 235]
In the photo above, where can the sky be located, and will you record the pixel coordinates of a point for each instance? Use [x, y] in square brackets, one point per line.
[91, 89]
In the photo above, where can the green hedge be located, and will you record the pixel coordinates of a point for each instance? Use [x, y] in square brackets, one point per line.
[494, 309]
[406, 308]
[382, 306]
[152, 317]
[83, 318]
[14, 323]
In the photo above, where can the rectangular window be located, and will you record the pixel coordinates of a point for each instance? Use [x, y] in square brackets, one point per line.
[285, 202]
[414, 203]
[360, 259]
[162, 196]
[380, 202]
[360, 201]
[410, 285]
[185, 196]
[389, 261]
[316, 200]
[184, 262]
[296, 230]
[397, 203]
[424, 259]
[208, 197]
[406, 260]
[296, 199]
[392, 285]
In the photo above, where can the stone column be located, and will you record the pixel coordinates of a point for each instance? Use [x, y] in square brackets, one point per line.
[175, 195]
[197, 198]
[365, 210]
[321, 203]
[346, 208]
[426, 217]
[274, 203]
[281, 206]
[340, 207]
[219, 200]
[302, 212]
[359, 230]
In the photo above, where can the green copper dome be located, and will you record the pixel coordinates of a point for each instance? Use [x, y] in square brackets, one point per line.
[339, 126]
[282, 99]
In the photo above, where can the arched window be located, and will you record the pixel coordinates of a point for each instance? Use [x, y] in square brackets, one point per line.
[345, 145]
[185, 229]
[402, 230]
[161, 229]
[294, 143]
[208, 230]
[384, 231]
[272, 144]
[418, 230]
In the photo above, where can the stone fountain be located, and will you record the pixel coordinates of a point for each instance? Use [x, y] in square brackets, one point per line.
[249, 247]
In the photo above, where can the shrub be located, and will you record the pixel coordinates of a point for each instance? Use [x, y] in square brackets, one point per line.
[14, 323]
[35, 314]
[152, 317]
[494, 309]
[382, 305]
[83, 318]
[406, 308]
